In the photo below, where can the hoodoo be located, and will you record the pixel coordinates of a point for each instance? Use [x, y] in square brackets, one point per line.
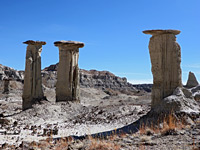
[32, 91]
[67, 86]
[165, 55]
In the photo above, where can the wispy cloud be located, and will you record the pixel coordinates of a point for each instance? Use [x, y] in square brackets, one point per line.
[195, 72]
[192, 66]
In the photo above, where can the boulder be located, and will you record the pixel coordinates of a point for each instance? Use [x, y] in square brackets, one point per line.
[197, 97]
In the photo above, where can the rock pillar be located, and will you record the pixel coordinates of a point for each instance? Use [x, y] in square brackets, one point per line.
[6, 85]
[67, 86]
[192, 81]
[32, 91]
[165, 54]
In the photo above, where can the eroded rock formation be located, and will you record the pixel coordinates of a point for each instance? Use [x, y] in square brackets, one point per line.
[96, 79]
[67, 86]
[192, 81]
[32, 91]
[7, 72]
[165, 56]
[6, 85]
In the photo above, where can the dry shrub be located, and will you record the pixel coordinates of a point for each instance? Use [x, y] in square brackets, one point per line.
[46, 144]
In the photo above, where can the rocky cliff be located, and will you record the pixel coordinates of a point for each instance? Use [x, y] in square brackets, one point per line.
[98, 79]
[7, 72]
[16, 78]
[88, 79]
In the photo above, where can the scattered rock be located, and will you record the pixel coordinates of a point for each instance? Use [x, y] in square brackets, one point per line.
[15, 123]
[2, 131]
[49, 132]
[4, 121]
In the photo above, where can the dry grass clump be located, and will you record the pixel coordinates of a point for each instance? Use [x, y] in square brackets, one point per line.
[68, 143]
[101, 144]
[169, 126]
[49, 143]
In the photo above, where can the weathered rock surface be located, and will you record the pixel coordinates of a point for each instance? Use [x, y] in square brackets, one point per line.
[7, 72]
[197, 96]
[16, 78]
[165, 56]
[105, 80]
[96, 79]
[196, 92]
[67, 86]
[32, 91]
[192, 81]
[178, 102]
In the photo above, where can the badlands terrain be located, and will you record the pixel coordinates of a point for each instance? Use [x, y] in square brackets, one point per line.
[107, 104]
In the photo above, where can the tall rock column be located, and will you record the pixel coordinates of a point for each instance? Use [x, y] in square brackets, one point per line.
[165, 54]
[32, 91]
[67, 86]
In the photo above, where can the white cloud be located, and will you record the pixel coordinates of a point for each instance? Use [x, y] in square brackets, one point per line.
[129, 73]
[141, 81]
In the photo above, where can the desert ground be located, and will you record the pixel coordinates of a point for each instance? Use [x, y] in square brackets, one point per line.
[74, 125]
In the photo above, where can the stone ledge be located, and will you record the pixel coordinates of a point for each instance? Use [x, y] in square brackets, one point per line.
[34, 42]
[69, 43]
[158, 32]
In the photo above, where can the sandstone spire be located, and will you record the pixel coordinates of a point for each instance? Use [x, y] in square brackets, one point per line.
[165, 56]
[67, 86]
[192, 81]
[32, 91]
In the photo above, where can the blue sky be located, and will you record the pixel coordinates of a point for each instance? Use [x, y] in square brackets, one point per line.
[110, 29]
